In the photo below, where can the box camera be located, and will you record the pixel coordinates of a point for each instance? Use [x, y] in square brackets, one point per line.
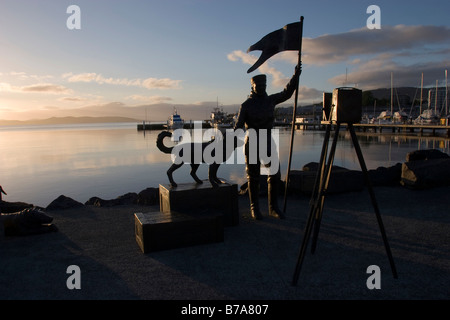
[346, 105]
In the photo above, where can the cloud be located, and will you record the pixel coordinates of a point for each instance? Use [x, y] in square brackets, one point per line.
[72, 99]
[308, 94]
[375, 73]
[47, 88]
[148, 83]
[334, 48]
[24, 76]
[278, 79]
[372, 55]
[403, 40]
[150, 99]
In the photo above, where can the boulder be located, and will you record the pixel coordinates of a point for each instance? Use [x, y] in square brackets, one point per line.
[341, 179]
[148, 197]
[424, 174]
[383, 176]
[427, 154]
[63, 203]
[92, 201]
[126, 199]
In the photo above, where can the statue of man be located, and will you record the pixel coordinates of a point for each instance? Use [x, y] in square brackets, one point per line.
[257, 113]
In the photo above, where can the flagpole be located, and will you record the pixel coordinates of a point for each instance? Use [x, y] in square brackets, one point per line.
[293, 117]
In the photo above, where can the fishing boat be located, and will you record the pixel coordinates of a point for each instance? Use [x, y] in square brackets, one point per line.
[221, 119]
[175, 121]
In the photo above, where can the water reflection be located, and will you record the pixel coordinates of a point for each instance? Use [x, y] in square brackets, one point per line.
[37, 164]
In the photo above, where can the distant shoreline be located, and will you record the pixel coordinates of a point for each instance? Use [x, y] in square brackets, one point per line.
[67, 120]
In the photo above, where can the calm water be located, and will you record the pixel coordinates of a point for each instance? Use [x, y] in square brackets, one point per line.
[39, 163]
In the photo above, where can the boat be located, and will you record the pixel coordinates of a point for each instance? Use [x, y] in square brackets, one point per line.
[400, 117]
[175, 121]
[429, 116]
[221, 119]
[385, 117]
[389, 116]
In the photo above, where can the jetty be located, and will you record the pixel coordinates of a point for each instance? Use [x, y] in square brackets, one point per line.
[376, 127]
[320, 125]
[405, 128]
[144, 126]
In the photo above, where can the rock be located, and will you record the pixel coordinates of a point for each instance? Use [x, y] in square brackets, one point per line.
[383, 176]
[424, 174]
[426, 155]
[126, 199]
[62, 203]
[92, 201]
[148, 197]
[341, 179]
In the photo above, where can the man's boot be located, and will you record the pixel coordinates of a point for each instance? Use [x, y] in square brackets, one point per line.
[253, 194]
[272, 197]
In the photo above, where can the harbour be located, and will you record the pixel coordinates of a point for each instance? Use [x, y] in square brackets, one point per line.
[433, 129]
[107, 160]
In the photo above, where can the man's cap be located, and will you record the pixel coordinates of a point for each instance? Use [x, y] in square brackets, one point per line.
[259, 79]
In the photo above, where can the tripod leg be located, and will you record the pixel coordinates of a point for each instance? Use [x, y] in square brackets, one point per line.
[372, 196]
[302, 252]
[315, 192]
[320, 169]
[316, 204]
[323, 189]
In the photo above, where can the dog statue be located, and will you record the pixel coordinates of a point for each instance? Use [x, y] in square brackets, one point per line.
[214, 144]
[27, 222]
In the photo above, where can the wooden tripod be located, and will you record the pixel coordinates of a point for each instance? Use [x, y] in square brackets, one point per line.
[319, 192]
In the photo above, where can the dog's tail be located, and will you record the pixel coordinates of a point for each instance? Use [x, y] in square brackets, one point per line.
[160, 141]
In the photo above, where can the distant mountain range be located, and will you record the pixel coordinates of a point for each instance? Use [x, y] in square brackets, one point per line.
[116, 112]
[66, 120]
[385, 93]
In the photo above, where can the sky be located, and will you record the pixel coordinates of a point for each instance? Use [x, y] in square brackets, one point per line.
[135, 55]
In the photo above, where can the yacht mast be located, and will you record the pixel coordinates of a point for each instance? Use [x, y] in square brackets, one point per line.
[421, 95]
[446, 94]
[392, 94]
[435, 99]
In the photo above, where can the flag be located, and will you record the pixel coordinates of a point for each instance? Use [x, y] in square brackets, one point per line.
[287, 38]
